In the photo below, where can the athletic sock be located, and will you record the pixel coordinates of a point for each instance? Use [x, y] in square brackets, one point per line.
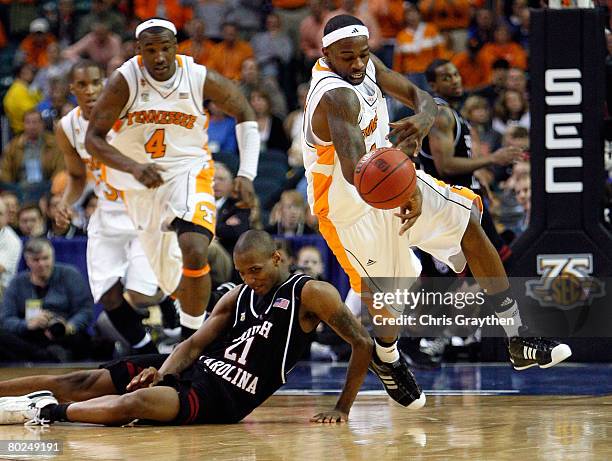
[190, 323]
[128, 323]
[54, 412]
[506, 307]
[387, 352]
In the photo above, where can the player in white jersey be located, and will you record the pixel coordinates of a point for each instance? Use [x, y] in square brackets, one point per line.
[345, 117]
[160, 159]
[115, 259]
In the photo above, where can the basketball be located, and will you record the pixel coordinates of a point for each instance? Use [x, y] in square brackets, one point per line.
[385, 178]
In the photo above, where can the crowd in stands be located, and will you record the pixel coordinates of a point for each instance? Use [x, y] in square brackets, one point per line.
[268, 48]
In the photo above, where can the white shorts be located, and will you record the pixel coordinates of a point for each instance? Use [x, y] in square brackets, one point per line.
[371, 247]
[115, 253]
[188, 196]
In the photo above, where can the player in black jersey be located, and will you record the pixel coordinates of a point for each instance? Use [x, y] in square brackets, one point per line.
[446, 152]
[231, 365]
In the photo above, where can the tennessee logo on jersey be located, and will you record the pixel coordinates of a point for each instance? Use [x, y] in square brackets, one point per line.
[371, 128]
[162, 117]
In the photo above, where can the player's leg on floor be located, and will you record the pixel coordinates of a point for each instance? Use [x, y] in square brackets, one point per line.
[127, 322]
[487, 268]
[194, 288]
[70, 387]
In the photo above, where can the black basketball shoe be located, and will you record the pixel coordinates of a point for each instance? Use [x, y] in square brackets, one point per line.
[399, 382]
[543, 352]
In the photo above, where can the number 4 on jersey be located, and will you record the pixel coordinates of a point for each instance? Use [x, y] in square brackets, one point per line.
[156, 146]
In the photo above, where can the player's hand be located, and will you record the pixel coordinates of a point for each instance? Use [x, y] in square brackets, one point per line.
[331, 416]
[410, 211]
[149, 174]
[63, 215]
[408, 133]
[148, 377]
[244, 192]
[506, 155]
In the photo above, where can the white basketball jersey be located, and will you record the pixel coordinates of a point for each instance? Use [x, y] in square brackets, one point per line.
[162, 122]
[75, 126]
[329, 194]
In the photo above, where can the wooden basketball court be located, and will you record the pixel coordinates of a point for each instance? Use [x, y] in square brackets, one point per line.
[470, 426]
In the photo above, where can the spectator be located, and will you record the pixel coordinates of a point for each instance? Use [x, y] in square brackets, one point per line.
[53, 229]
[482, 27]
[10, 250]
[287, 260]
[473, 69]
[33, 48]
[10, 200]
[499, 78]
[90, 203]
[417, 45]
[293, 127]
[221, 133]
[57, 69]
[389, 14]
[288, 218]
[311, 32]
[251, 79]
[360, 12]
[101, 11]
[48, 305]
[477, 112]
[32, 158]
[51, 107]
[291, 13]
[227, 57]
[20, 97]
[522, 190]
[519, 21]
[246, 14]
[197, 45]
[517, 80]
[448, 15]
[100, 45]
[271, 129]
[511, 109]
[30, 221]
[231, 220]
[273, 48]
[65, 25]
[212, 12]
[503, 47]
[310, 262]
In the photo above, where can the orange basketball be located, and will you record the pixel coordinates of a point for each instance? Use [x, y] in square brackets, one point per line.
[385, 178]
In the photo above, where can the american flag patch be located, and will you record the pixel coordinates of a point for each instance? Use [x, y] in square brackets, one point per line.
[183, 95]
[281, 302]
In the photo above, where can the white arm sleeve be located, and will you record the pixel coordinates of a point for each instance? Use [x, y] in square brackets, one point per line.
[247, 136]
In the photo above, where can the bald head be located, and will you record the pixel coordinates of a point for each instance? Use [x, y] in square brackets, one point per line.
[255, 241]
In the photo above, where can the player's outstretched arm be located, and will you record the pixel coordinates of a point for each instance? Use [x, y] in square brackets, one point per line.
[103, 116]
[189, 350]
[442, 146]
[410, 131]
[226, 94]
[77, 177]
[336, 119]
[323, 301]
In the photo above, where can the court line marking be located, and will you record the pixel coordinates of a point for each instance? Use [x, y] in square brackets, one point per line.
[382, 392]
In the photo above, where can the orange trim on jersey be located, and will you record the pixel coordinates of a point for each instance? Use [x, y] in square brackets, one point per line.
[204, 180]
[78, 111]
[139, 59]
[195, 273]
[179, 60]
[319, 67]
[325, 154]
[329, 233]
[117, 125]
[321, 184]
[465, 192]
